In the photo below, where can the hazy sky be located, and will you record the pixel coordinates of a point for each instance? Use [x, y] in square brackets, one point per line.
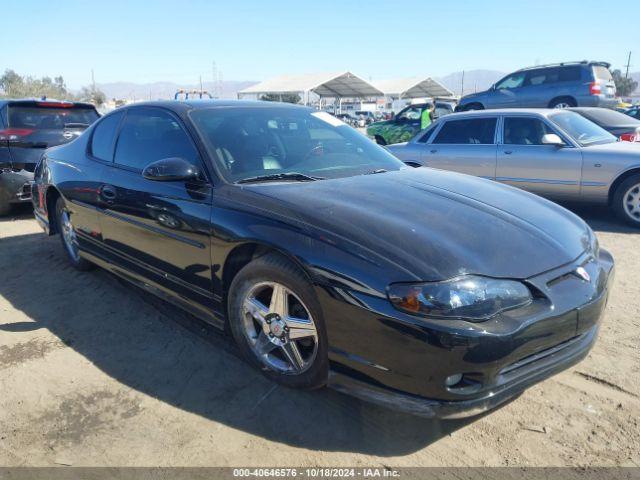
[145, 41]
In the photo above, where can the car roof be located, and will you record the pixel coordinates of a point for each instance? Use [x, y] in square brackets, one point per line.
[183, 106]
[503, 111]
[35, 101]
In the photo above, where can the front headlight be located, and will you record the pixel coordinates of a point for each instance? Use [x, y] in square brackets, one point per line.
[469, 297]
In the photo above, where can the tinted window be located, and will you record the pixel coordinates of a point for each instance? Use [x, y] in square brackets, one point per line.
[524, 131]
[428, 132]
[251, 141]
[103, 136]
[570, 74]
[542, 76]
[512, 81]
[473, 131]
[608, 118]
[148, 135]
[47, 118]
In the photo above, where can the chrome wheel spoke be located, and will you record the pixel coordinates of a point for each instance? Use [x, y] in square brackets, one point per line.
[282, 341]
[291, 351]
[257, 309]
[279, 299]
[300, 328]
[263, 344]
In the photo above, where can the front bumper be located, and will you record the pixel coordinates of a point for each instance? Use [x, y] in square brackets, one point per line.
[404, 365]
[15, 187]
[546, 365]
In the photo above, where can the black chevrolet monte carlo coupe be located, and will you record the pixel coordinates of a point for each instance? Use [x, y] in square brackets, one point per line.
[329, 260]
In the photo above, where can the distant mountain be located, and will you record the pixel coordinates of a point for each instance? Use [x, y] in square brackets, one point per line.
[165, 90]
[474, 80]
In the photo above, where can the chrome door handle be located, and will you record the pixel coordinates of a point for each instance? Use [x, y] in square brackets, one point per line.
[508, 152]
[434, 151]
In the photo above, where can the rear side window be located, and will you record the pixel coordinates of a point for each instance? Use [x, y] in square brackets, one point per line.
[102, 142]
[524, 131]
[47, 118]
[570, 74]
[148, 135]
[477, 131]
[600, 72]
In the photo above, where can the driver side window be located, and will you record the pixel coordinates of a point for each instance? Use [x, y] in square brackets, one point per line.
[412, 113]
[149, 134]
[524, 131]
[512, 81]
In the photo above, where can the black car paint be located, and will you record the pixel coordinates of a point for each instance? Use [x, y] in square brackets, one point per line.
[352, 237]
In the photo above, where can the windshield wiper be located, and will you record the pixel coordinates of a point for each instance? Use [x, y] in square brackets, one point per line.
[274, 177]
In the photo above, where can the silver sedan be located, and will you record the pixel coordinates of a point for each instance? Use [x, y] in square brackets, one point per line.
[557, 154]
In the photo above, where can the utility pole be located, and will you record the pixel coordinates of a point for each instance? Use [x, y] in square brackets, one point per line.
[628, 65]
[462, 85]
[93, 81]
[200, 86]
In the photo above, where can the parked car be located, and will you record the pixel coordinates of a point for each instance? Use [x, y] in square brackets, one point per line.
[572, 84]
[554, 153]
[406, 123]
[27, 127]
[318, 249]
[617, 124]
[633, 112]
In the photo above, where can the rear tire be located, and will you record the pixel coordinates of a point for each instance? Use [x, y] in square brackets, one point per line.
[257, 323]
[562, 102]
[68, 237]
[626, 201]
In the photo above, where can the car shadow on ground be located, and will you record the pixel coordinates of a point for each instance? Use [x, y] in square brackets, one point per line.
[147, 345]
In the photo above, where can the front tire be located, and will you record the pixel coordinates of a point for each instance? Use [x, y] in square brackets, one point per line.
[277, 323]
[626, 201]
[68, 237]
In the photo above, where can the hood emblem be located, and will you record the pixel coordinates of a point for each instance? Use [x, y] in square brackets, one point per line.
[583, 274]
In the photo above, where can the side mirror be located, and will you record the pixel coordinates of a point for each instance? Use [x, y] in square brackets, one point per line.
[552, 139]
[171, 169]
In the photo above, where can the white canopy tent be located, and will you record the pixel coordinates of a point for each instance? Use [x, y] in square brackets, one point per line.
[413, 87]
[324, 85]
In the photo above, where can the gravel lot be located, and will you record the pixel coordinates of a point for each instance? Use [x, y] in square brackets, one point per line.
[94, 373]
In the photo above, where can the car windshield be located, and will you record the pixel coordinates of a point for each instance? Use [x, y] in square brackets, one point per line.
[248, 142]
[583, 131]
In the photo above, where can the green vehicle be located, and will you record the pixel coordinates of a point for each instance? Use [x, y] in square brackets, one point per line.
[405, 124]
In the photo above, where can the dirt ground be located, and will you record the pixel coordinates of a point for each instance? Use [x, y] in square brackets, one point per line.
[93, 373]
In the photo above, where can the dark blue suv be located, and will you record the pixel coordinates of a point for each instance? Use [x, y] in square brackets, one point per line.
[570, 84]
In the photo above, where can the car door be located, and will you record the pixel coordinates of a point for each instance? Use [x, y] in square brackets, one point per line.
[158, 231]
[537, 87]
[525, 162]
[466, 145]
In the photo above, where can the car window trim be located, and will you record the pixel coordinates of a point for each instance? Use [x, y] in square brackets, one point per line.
[475, 117]
[186, 131]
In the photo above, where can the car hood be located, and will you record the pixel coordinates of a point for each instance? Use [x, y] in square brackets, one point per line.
[472, 96]
[624, 148]
[434, 224]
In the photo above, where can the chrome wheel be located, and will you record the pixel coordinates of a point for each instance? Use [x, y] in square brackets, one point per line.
[279, 327]
[631, 202]
[562, 105]
[69, 236]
